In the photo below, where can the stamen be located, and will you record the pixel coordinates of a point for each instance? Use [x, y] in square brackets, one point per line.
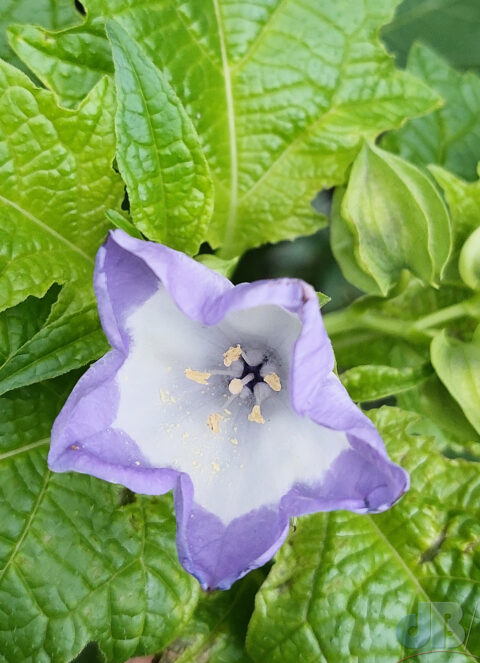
[236, 385]
[273, 381]
[231, 355]
[197, 376]
[256, 415]
[213, 422]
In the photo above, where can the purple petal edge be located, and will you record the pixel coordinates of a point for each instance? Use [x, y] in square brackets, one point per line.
[362, 479]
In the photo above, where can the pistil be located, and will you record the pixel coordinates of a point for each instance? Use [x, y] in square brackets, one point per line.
[252, 368]
[236, 385]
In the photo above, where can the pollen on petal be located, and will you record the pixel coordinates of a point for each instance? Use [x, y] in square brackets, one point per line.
[256, 415]
[197, 376]
[273, 381]
[231, 355]
[213, 422]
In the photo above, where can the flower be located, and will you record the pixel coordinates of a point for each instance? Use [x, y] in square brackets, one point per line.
[225, 395]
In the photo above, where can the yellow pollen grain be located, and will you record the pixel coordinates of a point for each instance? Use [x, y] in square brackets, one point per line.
[215, 466]
[256, 415]
[235, 386]
[273, 381]
[234, 440]
[197, 376]
[213, 422]
[231, 355]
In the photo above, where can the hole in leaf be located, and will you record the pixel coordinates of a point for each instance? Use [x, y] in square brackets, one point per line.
[434, 549]
[126, 497]
[125, 202]
[90, 654]
[80, 8]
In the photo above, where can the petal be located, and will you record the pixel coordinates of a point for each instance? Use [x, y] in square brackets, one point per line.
[128, 272]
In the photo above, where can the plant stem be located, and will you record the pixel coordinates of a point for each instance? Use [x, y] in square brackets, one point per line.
[420, 330]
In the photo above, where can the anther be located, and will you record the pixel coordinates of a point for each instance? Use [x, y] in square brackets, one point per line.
[256, 415]
[231, 355]
[197, 376]
[273, 381]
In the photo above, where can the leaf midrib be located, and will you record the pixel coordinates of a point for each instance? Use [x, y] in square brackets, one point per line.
[27, 526]
[46, 228]
[233, 198]
[26, 447]
[413, 579]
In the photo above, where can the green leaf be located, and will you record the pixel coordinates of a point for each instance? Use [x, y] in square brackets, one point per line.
[120, 221]
[323, 299]
[237, 67]
[372, 382]
[441, 415]
[220, 265]
[70, 62]
[216, 632]
[43, 338]
[158, 152]
[56, 181]
[450, 136]
[469, 261]
[394, 219]
[463, 199]
[81, 559]
[450, 27]
[54, 14]
[342, 582]
[457, 364]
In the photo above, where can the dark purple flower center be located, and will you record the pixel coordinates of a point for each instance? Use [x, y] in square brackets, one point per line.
[248, 369]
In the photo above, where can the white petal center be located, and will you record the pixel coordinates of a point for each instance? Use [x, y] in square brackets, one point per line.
[180, 420]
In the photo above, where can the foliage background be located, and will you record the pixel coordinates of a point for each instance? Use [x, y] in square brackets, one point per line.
[82, 561]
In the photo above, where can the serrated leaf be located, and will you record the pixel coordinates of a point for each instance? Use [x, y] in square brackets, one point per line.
[394, 218]
[69, 62]
[451, 28]
[158, 152]
[342, 582]
[236, 68]
[79, 562]
[56, 180]
[43, 338]
[216, 632]
[54, 14]
[450, 136]
[372, 382]
[457, 364]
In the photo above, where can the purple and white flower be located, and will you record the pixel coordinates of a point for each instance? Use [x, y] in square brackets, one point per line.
[227, 396]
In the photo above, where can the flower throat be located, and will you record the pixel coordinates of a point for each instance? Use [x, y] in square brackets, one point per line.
[252, 372]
